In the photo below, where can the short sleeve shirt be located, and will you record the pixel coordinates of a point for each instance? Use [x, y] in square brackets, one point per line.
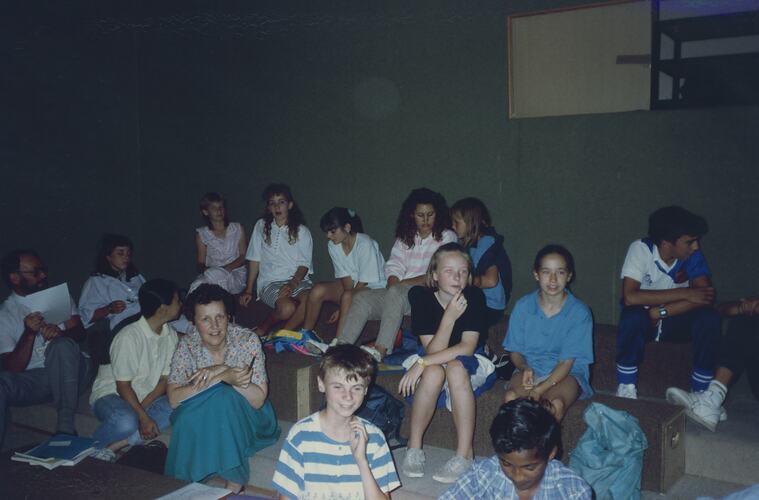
[139, 356]
[363, 264]
[313, 466]
[485, 479]
[409, 262]
[100, 290]
[426, 314]
[12, 314]
[242, 346]
[644, 265]
[279, 259]
[544, 341]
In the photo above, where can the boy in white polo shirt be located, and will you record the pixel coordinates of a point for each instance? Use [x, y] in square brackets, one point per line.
[129, 395]
[333, 453]
[667, 294]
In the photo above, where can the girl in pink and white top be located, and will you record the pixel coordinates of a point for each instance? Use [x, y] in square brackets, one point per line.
[423, 226]
[220, 247]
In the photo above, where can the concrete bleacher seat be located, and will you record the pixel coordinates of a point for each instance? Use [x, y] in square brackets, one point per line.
[294, 394]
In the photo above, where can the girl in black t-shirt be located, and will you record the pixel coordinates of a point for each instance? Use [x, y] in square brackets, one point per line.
[448, 316]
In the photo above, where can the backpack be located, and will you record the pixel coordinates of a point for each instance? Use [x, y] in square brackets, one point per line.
[150, 457]
[386, 412]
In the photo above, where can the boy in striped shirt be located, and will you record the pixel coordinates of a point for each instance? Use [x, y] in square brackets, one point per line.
[333, 453]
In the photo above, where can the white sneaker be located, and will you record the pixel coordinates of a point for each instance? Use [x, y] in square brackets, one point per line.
[687, 400]
[452, 469]
[628, 391]
[413, 463]
[706, 409]
[374, 353]
[679, 397]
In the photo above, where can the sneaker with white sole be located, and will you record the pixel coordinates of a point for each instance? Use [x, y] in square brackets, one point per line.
[679, 397]
[413, 463]
[628, 391]
[452, 469]
[706, 409]
[374, 353]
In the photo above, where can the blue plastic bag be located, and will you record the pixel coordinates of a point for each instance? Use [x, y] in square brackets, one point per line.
[609, 456]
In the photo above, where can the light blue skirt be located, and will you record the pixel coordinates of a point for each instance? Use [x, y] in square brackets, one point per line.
[215, 433]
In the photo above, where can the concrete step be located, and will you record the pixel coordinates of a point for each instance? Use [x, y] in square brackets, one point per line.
[732, 452]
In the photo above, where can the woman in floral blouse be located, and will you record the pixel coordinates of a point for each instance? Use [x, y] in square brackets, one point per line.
[218, 386]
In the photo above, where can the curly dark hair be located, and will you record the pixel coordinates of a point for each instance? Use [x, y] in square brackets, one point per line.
[294, 217]
[405, 227]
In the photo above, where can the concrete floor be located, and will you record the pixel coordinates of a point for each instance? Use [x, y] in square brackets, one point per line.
[717, 463]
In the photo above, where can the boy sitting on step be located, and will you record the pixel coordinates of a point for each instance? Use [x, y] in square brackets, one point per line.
[525, 438]
[334, 453]
[667, 294]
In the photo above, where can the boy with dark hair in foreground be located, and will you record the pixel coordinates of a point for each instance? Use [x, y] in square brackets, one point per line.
[333, 453]
[525, 439]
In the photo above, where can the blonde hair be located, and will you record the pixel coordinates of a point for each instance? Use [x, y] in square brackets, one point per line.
[429, 280]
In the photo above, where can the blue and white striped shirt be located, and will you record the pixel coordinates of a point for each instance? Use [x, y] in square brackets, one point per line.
[312, 465]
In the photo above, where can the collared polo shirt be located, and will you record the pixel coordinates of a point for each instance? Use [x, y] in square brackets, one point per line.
[644, 264]
[138, 355]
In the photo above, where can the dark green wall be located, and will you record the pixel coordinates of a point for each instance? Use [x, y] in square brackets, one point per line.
[69, 153]
[355, 105]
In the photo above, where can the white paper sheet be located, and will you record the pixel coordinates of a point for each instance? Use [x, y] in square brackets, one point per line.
[54, 303]
[196, 491]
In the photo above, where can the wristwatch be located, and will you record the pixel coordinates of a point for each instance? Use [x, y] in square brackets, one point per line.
[421, 362]
[662, 312]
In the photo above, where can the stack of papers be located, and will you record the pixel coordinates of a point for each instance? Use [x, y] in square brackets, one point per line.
[60, 449]
[196, 491]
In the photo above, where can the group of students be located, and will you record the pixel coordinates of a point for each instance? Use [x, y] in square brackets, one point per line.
[455, 283]
[447, 268]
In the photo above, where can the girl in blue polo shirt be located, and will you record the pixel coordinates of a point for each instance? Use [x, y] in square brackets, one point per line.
[550, 337]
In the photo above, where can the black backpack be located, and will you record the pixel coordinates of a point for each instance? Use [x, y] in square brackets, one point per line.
[386, 412]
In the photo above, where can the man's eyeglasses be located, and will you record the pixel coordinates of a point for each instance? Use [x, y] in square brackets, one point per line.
[36, 272]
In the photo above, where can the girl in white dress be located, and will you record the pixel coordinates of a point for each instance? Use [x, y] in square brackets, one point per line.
[220, 247]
